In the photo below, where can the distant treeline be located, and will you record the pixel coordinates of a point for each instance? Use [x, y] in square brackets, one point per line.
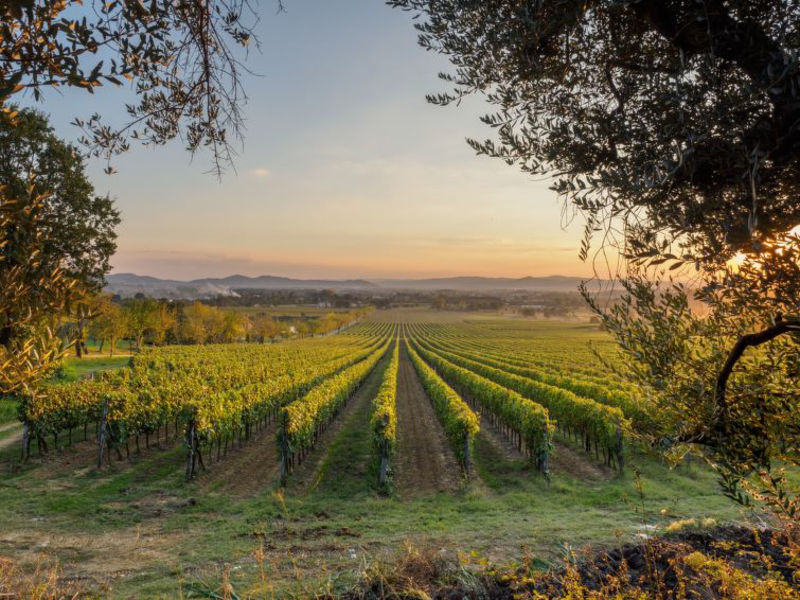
[145, 321]
[528, 303]
[324, 297]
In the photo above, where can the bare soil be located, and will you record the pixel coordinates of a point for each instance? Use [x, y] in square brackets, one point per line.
[578, 464]
[425, 463]
[246, 470]
[499, 442]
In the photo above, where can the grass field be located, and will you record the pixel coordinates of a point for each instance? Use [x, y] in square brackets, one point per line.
[135, 528]
[73, 368]
[122, 348]
[8, 411]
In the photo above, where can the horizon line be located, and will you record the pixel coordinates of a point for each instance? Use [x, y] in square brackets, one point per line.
[356, 278]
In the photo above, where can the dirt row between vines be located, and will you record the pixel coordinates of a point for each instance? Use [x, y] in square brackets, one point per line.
[565, 460]
[246, 470]
[308, 474]
[425, 463]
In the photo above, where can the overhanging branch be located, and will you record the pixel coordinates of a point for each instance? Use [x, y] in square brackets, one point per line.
[781, 327]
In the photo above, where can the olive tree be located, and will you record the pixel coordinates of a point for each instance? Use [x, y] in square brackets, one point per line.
[182, 61]
[673, 127]
[56, 240]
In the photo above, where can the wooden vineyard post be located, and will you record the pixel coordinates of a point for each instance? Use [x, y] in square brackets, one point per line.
[26, 441]
[620, 447]
[545, 456]
[284, 447]
[383, 478]
[101, 437]
[467, 465]
[545, 460]
[191, 450]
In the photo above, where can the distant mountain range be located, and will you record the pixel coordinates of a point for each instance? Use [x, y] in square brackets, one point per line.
[129, 284]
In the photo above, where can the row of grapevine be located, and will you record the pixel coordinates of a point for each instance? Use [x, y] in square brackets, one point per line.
[525, 421]
[63, 409]
[553, 355]
[209, 392]
[220, 366]
[303, 420]
[459, 422]
[383, 419]
[511, 351]
[150, 402]
[221, 417]
[634, 408]
[593, 422]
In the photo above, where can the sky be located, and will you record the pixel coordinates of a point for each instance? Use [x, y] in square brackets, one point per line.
[345, 170]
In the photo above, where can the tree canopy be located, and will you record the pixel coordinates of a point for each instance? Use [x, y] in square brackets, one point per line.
[56, 239]
[80, 224]
[180, 58]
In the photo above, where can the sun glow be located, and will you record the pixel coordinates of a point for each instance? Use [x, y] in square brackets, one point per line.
[776, 247]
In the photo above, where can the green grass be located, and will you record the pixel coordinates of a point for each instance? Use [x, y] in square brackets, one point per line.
[348, 469]
[8, 410]
[508, 508]
[121, 347]
[73, 368]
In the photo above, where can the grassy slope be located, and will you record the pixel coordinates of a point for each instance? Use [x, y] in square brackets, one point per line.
[75, 368]
[154, 527]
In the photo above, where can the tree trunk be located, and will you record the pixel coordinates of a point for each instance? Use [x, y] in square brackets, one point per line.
[79, 340]
[26, 441]
[753, 339]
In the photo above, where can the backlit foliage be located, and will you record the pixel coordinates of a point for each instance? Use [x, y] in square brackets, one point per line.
[32, 290]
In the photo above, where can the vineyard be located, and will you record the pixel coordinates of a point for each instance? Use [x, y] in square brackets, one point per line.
[407, 423]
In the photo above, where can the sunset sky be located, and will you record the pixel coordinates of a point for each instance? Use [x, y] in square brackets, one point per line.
[345, 170]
